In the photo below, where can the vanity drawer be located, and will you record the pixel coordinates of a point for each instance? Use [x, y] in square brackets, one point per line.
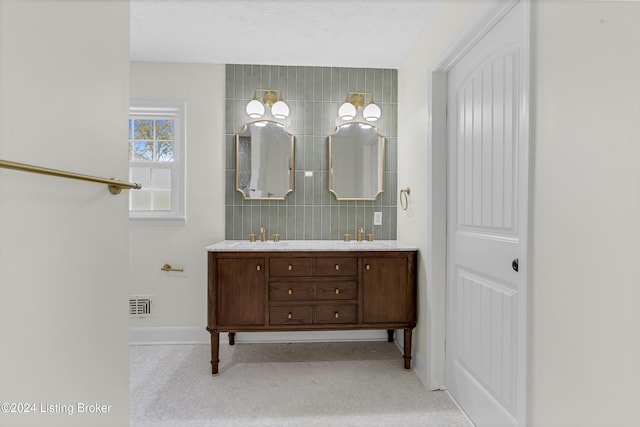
[290, 291]
[335, 313]
[291, 315]
[337, 266]
[336, 290]
[291, 267]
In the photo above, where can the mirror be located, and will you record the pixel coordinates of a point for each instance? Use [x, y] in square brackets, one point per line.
[264, 161]
[356, 162]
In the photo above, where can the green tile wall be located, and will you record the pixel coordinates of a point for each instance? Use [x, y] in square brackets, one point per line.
[313, 94]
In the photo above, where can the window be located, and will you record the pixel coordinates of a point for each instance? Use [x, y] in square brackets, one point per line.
[156, 160]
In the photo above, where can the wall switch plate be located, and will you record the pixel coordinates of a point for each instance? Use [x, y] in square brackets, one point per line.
[377, 218]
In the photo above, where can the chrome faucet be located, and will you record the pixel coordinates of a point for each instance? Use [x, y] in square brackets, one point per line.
[360, 234]
[263, 234]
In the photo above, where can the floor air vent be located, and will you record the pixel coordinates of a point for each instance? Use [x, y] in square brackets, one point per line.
[140, 306]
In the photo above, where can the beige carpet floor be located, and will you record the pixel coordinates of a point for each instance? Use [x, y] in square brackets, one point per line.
[301, 384]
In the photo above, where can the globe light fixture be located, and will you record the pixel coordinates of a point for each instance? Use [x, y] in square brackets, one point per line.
[347, 111]
[280, 110]
[371, 112]
[354, 102]
[256, 108]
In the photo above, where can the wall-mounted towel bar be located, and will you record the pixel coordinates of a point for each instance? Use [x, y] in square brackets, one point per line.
[114, 185]
[167, 267]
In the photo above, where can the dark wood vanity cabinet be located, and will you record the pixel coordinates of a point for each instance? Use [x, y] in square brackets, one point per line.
[299, 291]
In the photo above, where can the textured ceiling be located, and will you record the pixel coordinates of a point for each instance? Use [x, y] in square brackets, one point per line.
[344, 33]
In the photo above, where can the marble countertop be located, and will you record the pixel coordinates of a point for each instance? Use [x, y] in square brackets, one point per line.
[309, 245]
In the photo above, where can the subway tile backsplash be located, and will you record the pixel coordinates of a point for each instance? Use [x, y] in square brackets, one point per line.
[313, 94]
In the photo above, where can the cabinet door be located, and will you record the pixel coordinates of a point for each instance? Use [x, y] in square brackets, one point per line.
[241, 291]
[384, 289]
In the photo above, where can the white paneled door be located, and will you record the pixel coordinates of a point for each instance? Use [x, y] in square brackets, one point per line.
[486, 226]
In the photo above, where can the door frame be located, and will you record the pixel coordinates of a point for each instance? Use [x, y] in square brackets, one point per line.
[435, 258]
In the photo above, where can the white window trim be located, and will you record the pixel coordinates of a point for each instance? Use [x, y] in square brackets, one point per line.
[178, 110]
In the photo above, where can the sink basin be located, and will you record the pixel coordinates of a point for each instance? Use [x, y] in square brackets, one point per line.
[268, 243]
[355, 242]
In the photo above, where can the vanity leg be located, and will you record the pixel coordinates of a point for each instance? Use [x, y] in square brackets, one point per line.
[232, 338]
[215, 352]
[390, 333]
[407, 348]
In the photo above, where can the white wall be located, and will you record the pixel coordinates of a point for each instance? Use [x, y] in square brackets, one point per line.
[585, 348]
[181, 298]
[64, 80]
[447, 24]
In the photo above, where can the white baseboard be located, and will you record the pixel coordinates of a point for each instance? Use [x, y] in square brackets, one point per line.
[190, 335]
[168, 335]
[307, 336]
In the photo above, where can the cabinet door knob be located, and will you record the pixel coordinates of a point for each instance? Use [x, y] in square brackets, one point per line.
[337, 315]
[337, 267]
[337, 291]
[289, 316]
[368, 267]
[290, 291]
[290, 267]
[258, 267]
